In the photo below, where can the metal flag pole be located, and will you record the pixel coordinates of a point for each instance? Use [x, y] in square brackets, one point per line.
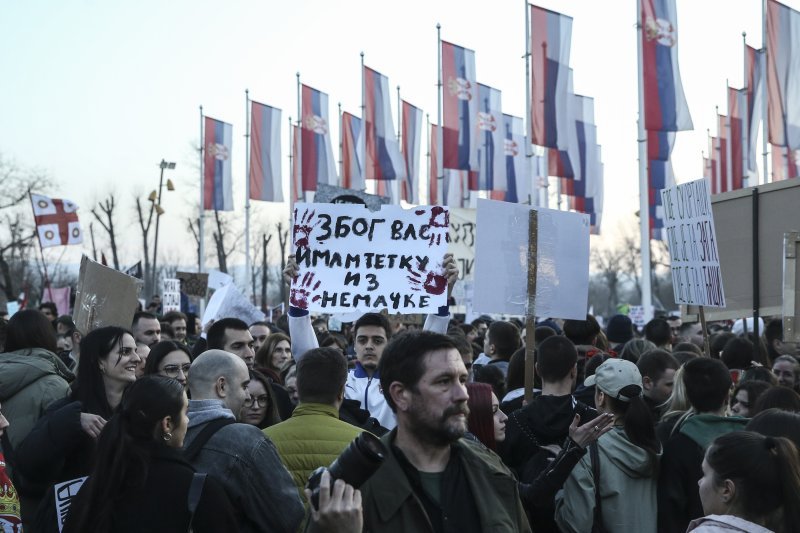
[365, 160]
[341, 147]
[529, 160]
[428, 159]
[247, 265]
[718, 153]
[299, 155]
[644, 208]
[439, 125]
[201, 248]
[292, 170]
[764, 109]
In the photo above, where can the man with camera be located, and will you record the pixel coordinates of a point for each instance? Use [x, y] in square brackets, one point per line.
[432, 479]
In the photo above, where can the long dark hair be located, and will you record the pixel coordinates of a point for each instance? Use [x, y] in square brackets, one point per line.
[481, 418]
[636, 418]
[124, 450]
[272, 416]
[30, 329]
[89, 387]
[160, 351]
[264, 355]
[766, 473]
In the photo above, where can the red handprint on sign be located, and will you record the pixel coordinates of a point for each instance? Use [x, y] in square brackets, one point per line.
[302, 228]
[439, 225]
[432, 282]
[302, 290]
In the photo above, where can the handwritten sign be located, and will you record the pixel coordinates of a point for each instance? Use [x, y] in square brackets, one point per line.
[194, 283]
[105, 297]
[692, 240]
[171, 295]
[562, 259]
[462, 242]
[351, 258]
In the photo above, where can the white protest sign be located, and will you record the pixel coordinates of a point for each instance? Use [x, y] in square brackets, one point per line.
[353, 259]
[462, 242]
[501, 261]
[217, 279]
[692, 239]
[228, 302]
[171, 295]
[64, 493]
[636, 314]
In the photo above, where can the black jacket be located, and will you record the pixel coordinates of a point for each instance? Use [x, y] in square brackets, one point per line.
[161, 505]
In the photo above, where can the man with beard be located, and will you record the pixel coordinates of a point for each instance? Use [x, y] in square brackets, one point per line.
[432, 479]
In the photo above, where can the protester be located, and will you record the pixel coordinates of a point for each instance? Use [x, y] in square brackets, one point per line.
[776, 347]
[314, 436]
[659, 332]
[232, 336]
[515, 383]
[49, 310]
[750, 483]
[431, 476]
[708, 385]
[238, 455]
[139, 481]
[626, 459]
[143, 351]
[177, 321]
[170, 359]
[619, 331]
[776, 423]
[146, 328]
[62, 445]
[787, 370]
[657, 368]
[634, 349]
[260, 331]
[745, 396]
[260, 409]
[500, 342]
[486, 421]
[291, 384]
[274, 356]
[777, 398]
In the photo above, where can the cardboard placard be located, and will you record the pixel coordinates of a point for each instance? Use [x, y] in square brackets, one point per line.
[353, 259]
[194, 283]
[692, 240]
[105, 297]
[171, 295]
[501, 261]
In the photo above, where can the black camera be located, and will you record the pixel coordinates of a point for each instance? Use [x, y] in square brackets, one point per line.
[354, 466]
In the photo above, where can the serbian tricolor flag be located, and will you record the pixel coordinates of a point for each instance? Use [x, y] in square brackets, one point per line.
[297, 182]
[726, 183]
[460, 108]
[783, 74]
[265, 153]
[491, 174]
[714, 164]
[382, 160]
[559, 164]
[56, 221]
[665, 106]
[411, 134]
[659, 176]
[435, 169]
[756, 69]
[737, 112]
[517, 178]
[551, 35]
[456, 187]
[316, 152]
[217, 182]
[785, 163]
[352, 176]
[659, 145]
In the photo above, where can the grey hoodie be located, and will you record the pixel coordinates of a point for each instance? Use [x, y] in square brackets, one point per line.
[628, 483]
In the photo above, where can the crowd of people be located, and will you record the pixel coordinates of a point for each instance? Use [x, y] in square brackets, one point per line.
[174, 427]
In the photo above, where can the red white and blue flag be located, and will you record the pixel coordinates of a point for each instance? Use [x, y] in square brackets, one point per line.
[411, 135]
[665, 106]
[217, 182]
[783, 74]
[755, 68]
[785, 163]
[585, 195]
[491, 174]
[265, 153]
[456, 187]
[737, 113]
[316, 152]
[352, 176]
[659, 176]
[382, 159]
[517, 177]
[297, 181]
[435, 169]
[56, 221]
[551, 35]
[460, 108]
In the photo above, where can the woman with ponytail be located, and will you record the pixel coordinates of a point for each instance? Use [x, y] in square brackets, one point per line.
[140, 481]
[750, 483]
[613, 488]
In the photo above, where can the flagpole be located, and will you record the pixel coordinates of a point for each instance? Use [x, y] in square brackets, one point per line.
[644, 208]
[401, 184]
[765, 92]
[299, 155]
[528, 151]
[718, 152]
[746, 118]
[201, 247]
[248, 291]
[364, 125]
[440, 126]
[292, 172]
[428, 158]
[728, 158]
[342, 177]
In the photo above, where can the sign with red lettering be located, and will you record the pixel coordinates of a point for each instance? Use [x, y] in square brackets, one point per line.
[351, 258]
[692, 240]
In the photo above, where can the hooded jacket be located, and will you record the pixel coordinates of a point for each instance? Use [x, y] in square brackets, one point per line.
[30, 380]
[725, 524]
[678, 497]
[248, 466]
[627, 488]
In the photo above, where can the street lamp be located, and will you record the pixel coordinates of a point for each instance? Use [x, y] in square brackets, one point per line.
[159, 211]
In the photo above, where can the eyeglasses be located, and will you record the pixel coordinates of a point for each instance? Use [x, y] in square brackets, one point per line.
[262, 401]
[173, 370]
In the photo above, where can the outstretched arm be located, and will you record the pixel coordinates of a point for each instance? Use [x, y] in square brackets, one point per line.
[301, 330]
[440, 322]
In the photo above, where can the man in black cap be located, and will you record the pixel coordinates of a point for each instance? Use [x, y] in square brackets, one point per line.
[619, 331]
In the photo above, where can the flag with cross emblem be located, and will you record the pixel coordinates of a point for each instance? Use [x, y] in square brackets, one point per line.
[56, 221]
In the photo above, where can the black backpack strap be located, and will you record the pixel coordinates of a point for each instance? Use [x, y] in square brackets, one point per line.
[206, 433]
[195, 491]
[594, 456]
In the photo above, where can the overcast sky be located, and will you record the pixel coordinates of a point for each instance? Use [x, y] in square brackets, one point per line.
[97, 93]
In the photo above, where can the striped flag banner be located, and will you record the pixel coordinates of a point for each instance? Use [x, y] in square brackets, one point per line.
[217, 182]
[435, 169]
[265, 153]
[783, 75]
[460, 108]
[383, 160]
[352, 175]
[491, 174]
[756, 73]
[411, 136]
[317, 162]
